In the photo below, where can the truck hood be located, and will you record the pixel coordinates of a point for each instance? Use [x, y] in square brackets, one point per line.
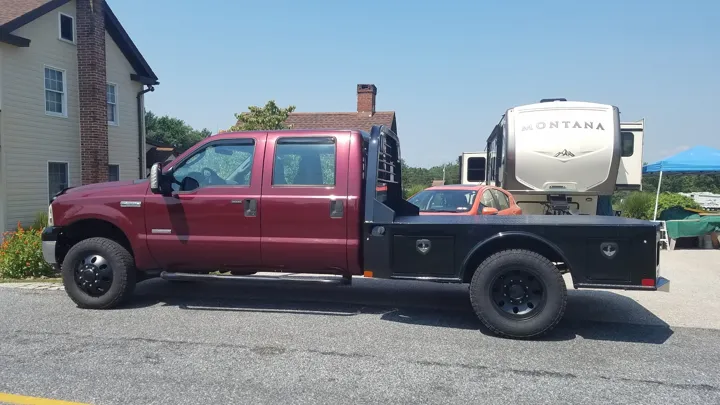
[107, 188]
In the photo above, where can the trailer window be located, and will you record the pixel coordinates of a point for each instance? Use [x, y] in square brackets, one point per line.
[627, 143]
[476, 169]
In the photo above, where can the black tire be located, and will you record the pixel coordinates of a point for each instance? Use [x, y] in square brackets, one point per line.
[122, 270]
[489, 282]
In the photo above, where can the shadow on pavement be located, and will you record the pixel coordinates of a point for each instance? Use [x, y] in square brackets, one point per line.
[591, 314]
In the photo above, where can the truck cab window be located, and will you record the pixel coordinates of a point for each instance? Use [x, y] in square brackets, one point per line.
[217, 165]
[628, 143]
[308, 163]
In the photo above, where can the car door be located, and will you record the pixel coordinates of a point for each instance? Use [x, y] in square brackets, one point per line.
[304, 199]
[503, 202]
[215, 225]
[487, 200]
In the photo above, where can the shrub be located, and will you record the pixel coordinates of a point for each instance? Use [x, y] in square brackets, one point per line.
[636, 205]
[21, 255]
[41, 220]
[413, 189]
[669, 200]
[641, 205]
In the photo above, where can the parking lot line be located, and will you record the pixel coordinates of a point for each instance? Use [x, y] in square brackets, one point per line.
[6, 398]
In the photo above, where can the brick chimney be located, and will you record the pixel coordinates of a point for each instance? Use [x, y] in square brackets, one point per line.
[366, 99]
[90, 26]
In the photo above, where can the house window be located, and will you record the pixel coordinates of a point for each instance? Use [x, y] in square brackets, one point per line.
[114, 173]
[67, 27]
[55, 96]
[58, 175]
[112, 104]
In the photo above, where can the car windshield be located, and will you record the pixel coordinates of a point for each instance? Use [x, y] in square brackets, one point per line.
[444, 200]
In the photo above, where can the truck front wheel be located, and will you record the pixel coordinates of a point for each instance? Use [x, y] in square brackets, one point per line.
[518, 294]
[98, 273]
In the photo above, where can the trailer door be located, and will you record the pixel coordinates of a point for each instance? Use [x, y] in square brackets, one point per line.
[631, 161]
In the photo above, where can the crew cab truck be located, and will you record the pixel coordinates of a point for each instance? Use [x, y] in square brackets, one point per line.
[307, 201]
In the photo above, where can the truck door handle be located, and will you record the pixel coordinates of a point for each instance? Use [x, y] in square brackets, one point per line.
[336, 209]
[250, 205]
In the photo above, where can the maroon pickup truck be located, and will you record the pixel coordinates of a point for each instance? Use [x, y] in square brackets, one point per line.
[330, 202]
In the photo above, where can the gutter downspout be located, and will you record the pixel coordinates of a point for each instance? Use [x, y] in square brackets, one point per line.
[141, 129]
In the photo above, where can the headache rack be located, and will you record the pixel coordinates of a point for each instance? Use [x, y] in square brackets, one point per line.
[388, 160]
[384, 176]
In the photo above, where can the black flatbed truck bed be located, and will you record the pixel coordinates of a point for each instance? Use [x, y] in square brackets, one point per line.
[514, 264]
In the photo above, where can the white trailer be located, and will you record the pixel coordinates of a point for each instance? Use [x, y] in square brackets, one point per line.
[559, 156]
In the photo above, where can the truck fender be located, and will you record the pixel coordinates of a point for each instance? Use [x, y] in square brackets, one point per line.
[109, 215]
[489, 246]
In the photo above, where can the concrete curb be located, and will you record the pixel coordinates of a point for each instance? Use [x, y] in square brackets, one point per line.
[34, 286]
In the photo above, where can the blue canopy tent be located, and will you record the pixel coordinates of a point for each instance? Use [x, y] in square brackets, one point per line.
[697, 160]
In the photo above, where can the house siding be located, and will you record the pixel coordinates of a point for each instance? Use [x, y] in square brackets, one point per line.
[2, 154]
[31, 138]
[123, 139]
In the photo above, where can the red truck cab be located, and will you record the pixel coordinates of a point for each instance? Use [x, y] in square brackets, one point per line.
[210, 217]
[330, 202]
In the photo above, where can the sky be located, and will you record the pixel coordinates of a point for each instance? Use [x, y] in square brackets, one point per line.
[449, 69]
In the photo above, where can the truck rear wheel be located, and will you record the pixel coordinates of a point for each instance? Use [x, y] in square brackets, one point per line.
[98, 273]
[518, 294]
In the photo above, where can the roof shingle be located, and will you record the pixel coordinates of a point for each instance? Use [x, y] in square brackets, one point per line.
[12, 9]
[340, 120]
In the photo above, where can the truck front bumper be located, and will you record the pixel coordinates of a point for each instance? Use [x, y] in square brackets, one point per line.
[49, 240]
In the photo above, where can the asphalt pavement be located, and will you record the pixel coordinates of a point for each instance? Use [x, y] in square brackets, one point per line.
[375, 342]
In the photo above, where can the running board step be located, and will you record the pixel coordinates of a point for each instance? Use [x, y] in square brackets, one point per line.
[215, 277]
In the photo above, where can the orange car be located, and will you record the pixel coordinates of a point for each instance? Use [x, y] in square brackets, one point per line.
[465, 200]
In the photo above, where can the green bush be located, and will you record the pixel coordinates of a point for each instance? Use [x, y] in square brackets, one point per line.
[21, 255]
[636, 205]
[413, 189]
[641, 205]
[669, 200]
[41, 220]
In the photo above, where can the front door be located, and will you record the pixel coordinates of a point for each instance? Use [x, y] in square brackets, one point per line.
[304, 199]
[212, 221]
[502, 201]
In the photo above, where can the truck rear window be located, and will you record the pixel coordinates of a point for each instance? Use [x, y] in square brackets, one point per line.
[304, 162]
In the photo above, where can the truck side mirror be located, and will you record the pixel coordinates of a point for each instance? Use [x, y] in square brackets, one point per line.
[155, 176]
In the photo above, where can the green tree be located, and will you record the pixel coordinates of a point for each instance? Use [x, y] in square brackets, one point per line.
[421, 176]
[173, 131]
[269, 117]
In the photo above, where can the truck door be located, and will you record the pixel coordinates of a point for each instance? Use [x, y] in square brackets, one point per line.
[631, 161]
[304, 199]
[217, 224]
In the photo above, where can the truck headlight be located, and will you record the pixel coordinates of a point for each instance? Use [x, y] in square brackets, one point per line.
[51, 220]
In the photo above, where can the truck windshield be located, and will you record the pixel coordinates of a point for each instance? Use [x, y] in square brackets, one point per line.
[444, 200]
